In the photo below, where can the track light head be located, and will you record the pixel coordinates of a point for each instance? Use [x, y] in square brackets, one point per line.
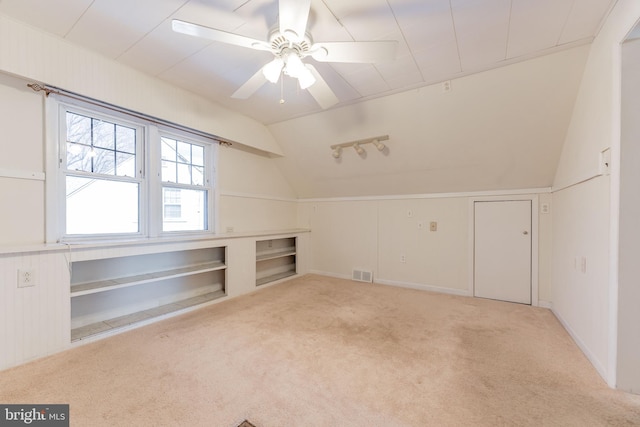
[337, 152]
[358, 148]
[379, 145]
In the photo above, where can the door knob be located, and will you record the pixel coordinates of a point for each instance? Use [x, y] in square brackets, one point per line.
[525, 232]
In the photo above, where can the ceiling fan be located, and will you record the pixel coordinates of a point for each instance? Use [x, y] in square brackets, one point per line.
[290, 43]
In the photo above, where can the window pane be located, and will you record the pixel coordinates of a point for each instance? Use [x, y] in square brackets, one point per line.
[187, 215]
[125, 164]
[168, 171]
[78, 157]
[197, 155]
[168, 149]
[125, 139]
[184, 152]
[197, 175]
[92, 146]
[99, 206]
[104, 161]
[78, 129]
[104, 134]
[184, 174]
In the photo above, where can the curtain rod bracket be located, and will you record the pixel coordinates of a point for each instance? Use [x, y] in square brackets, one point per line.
[37, 87]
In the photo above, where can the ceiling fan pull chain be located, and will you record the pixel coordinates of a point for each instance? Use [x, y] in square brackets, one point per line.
[282, 90]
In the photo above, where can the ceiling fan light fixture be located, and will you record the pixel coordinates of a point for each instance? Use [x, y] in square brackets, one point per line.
[295, 67]
[273, 69]
[306, 79]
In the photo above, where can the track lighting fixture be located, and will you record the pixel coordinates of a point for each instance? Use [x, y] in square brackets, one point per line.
[337, 148]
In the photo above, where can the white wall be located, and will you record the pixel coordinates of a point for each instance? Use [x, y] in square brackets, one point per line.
[343, 236]
[372, 234]
[594, 126]
[581, 299]
[254, 195]
[628, 374]
[21, 164]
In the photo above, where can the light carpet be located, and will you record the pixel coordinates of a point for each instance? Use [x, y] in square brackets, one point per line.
[319, 351]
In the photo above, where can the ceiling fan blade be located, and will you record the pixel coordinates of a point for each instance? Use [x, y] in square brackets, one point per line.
[367, 52]
[320, 90]
[293, 16]
[251, 86]
[217, 35]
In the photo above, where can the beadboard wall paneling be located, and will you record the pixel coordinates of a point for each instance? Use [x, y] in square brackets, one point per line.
[242, 213]
[34, 320]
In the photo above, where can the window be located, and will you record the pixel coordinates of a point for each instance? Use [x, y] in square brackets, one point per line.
[183, 179]
[124, 177]
[102, 186]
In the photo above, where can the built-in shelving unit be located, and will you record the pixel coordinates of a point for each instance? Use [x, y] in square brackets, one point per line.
[275, 259]
[115, 292]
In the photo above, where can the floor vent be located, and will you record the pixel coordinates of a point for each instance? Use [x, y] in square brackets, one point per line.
[362, 276]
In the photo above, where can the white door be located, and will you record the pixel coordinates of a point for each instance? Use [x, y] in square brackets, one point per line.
[502, 250]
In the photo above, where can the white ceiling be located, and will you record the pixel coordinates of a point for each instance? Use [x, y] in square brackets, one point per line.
[438, 40]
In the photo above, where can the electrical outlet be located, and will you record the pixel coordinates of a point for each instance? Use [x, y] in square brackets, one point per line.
[270, 243]
[26, 278]
[545, 208]
[229, 229]
[433, 226]
[403, 258]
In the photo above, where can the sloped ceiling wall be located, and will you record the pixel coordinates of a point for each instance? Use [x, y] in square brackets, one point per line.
[496, 130]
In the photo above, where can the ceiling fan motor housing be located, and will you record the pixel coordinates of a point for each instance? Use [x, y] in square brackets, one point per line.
[280, 44]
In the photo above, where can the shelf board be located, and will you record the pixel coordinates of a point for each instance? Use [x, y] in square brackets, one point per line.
[122, 321]
[275, 254]
[275, 277]
[107, 285]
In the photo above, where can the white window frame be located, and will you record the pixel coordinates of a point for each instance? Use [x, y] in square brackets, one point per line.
[148, 171]
[210, 156]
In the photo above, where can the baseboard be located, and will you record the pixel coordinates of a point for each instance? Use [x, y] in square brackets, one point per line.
[581, 345]
[336, 275]
[410, 285]
[423, 287]
[545, 304]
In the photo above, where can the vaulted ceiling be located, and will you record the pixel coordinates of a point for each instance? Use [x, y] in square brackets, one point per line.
[438, 40]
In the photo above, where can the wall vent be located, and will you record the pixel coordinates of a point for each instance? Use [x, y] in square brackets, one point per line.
[362, 276]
